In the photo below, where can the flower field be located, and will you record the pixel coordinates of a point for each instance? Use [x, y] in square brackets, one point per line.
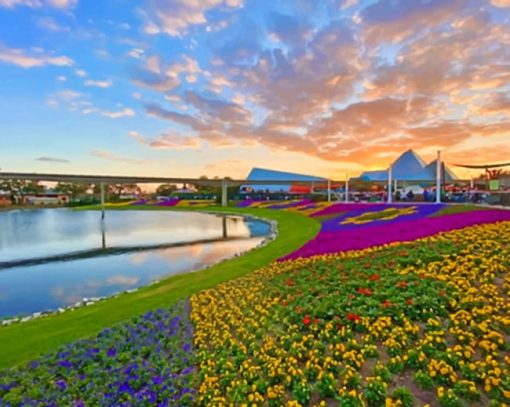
[396, 305]
[409, 324]
[146, 361]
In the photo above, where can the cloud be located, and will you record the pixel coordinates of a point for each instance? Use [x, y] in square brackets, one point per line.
[167, 140]
[218, 109]
[50, 24]
[407, 74]
[126, 112]
[107, 155]
[80, 72]
[500, 3]
[123, 280]
[174, 17]
[52, 159]
[58, 4]
[348, 3]
[26, 59]
[156, 110]
[99, 84]
[136, 53]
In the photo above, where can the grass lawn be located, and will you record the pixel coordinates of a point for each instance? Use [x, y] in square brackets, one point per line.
[22, 342]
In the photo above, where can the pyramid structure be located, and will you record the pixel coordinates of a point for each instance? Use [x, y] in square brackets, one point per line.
[409, 167]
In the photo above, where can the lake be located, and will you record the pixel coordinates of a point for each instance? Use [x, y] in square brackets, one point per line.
[52, 258]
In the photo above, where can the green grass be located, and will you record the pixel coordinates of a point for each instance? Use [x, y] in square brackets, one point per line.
[23, 342]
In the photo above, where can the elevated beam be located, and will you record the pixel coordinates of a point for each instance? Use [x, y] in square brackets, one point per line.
[122, 179]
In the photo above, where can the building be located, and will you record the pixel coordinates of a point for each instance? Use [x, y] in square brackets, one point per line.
[5, 198]
[46, 198]
[264, 174]
[410, 167]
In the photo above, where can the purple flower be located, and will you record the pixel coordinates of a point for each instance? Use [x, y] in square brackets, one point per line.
[65, 363]
[157, 380]
[61, 384]
[334, 241]
[111, 352]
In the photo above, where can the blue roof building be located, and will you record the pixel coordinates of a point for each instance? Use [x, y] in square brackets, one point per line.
[264, 174]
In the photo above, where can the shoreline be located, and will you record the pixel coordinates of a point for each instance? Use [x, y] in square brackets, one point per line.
[86, 301]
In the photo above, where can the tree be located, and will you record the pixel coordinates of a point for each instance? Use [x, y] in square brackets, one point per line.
[72, 189]
[17, 188]
[116, 190]
[166, 189]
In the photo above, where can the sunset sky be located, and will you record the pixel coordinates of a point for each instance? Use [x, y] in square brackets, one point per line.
[215, 87]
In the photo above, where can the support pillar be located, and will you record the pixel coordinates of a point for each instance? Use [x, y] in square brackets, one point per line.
[329, 190]
[224, 198]
[347, 187]
[390, 185]
[102, 200]
[438, 177]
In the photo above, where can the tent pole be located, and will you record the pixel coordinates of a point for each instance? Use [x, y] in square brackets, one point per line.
[390, 192]
[438, 177]
[347, 187]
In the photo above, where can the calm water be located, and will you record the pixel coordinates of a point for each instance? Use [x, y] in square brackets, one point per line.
[46, 237]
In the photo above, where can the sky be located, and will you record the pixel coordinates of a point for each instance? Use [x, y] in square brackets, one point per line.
[186, 88]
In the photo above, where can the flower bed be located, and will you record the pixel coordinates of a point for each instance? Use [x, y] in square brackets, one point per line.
[335, 237]
[417, 323]
[147, 361]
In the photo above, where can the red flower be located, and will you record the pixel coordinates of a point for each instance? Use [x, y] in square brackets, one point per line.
[409, 301]
[374, 277]
[352, 317]
[316, 320]
[306, 320]
[364, 291]
[402, 284]
[386, 304]
[284, 302]
[289, 282]
[298, 309]
[368, 265]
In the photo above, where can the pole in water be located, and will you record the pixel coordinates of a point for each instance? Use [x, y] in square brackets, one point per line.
[102, 200]
[224, 224]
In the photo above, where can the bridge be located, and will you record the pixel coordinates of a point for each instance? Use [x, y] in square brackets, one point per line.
[103, 180]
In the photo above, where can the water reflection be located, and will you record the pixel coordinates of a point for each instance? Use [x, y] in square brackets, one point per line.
[50, 232]
[27, 289]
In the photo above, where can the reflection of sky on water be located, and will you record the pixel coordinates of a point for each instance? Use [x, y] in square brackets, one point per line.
[45, 232]
[24, 290]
